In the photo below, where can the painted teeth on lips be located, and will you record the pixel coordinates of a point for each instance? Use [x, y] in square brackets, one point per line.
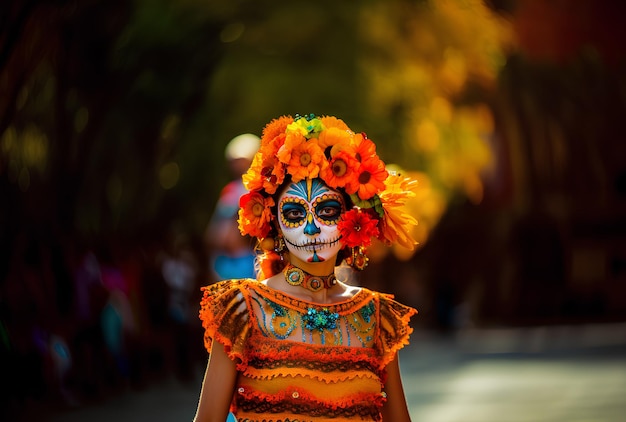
[315, 245]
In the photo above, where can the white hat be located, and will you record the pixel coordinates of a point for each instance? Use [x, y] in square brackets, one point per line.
[242, 146]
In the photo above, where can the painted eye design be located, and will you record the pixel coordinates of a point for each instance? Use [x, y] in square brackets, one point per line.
[328, 210]
[293, 213]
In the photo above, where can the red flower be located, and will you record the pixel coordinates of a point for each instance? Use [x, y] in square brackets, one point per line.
[369, 180]
[357, 228]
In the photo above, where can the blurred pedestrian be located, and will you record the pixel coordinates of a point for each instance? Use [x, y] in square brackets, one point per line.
[231, 255]
[297, 343]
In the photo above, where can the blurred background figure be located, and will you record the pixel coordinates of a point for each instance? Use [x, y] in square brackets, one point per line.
[230, 254]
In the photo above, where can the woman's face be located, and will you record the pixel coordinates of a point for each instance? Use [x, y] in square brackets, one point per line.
[308, 213]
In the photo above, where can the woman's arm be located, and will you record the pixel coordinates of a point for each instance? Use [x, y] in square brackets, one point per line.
[218, 386]
[395, 408]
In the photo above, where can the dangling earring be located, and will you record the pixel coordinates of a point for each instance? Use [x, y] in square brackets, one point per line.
[279, 244]
[358, 259]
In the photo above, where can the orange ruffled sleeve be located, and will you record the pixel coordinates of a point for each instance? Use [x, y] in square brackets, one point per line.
[225, 317]
[394, 327]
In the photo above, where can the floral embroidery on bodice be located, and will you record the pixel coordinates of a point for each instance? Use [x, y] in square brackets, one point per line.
[292, 319]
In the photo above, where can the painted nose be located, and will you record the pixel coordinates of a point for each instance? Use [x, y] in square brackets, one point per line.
[311, 229]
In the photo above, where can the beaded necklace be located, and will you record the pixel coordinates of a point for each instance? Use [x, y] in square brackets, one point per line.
[298, 277]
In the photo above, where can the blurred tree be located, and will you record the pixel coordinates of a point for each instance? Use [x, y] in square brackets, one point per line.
[94, 100]
[431, 68]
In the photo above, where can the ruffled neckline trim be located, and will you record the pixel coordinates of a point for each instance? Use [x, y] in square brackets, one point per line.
[361, 298]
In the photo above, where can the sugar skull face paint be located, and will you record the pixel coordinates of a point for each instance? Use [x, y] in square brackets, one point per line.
[308, 213]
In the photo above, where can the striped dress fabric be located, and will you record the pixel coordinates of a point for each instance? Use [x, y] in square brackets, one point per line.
[302, 362]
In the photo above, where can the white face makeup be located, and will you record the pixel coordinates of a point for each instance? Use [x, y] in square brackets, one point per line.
[308, 213]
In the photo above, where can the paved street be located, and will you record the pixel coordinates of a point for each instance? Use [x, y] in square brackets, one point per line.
[573, 374]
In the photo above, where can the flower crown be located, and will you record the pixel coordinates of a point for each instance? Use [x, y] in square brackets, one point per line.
[325, 147]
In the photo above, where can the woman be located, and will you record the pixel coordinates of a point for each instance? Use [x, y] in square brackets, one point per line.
[299, 344]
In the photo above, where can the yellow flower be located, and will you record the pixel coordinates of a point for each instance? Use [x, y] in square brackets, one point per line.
[332, 121]
[336, 138]
[396, 223]
[305, 127]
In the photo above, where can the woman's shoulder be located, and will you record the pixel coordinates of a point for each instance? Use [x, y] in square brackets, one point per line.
[224, 297]
[230, 285]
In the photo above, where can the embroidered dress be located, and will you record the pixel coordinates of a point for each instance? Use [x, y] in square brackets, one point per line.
[302, 362]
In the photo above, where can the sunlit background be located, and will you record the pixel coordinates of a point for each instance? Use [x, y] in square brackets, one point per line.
[114, 116]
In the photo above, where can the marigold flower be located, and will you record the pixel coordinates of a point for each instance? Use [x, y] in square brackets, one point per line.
[357, 227]
[274, 128]
[255, 214]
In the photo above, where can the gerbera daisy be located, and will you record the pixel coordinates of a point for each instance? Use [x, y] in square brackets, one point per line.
[335, 136]
[307, 160]
[255, 214]
[341, 169]
[370, 178]
[357, 228]
[364, 148]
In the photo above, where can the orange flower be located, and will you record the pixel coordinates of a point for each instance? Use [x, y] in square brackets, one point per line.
[395, 227]
[364, 148]
[331, 121]
[275, 128]
[265, 172]
[334, 137]
[252, 179]
[307, 160]
[357, 228]
[397, 189]
[342, 169]
[255, 214]
[396, 224]
[292, 141]
[272, 171]
[369, 180]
